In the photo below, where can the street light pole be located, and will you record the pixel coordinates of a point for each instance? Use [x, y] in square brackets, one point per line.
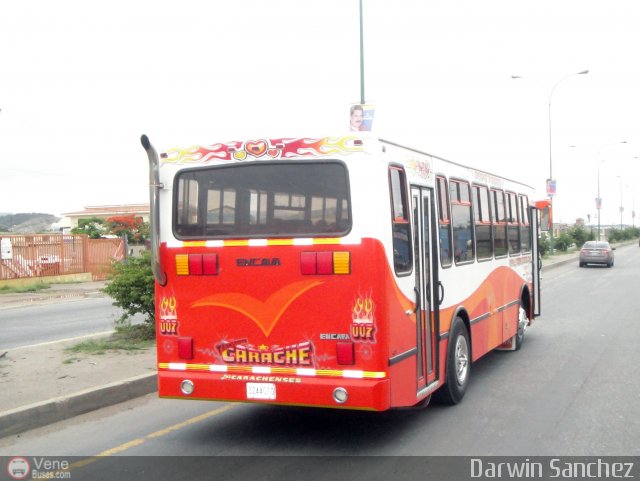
[550, 181]
[361, 56]
[599, 162]
[598, 199]
[621, 207]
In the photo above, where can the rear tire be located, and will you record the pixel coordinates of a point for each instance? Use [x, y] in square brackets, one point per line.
[458, 367]
[521, 330]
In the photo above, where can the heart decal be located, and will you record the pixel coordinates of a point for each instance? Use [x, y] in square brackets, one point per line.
[255, 148]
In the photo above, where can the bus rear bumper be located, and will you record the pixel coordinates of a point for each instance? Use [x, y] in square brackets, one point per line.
[368, 394]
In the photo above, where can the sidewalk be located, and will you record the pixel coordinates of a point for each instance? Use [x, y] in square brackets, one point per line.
[43, 384]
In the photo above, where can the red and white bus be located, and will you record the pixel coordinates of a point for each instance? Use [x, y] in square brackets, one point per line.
[345, 272]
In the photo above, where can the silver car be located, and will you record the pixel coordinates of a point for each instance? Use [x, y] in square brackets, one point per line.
[596, 252]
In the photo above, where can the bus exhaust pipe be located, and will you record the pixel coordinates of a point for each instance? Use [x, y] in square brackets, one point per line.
[154, 217]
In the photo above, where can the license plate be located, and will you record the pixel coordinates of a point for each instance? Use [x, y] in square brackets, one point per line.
[260, 390]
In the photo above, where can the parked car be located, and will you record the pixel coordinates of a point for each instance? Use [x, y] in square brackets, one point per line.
[596, 252]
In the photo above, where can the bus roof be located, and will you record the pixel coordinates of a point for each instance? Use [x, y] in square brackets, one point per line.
[296, 147]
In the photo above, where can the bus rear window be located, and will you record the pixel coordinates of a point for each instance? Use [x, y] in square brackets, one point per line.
[262, 200]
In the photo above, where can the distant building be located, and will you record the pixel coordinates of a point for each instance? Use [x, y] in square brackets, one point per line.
[70, 219]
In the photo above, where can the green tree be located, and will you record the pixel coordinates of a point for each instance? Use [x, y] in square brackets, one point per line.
[94, 227]
[580, 235]
[133, 227]
[544, 246]
[132, 288]
[563, 241]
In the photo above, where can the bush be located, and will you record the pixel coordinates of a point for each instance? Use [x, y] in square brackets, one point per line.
[132, 288]
[580, 235]
[563, 242]
[543, 246]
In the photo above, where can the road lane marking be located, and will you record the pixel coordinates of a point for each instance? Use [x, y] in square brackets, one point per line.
[191, 421]
[154, 435]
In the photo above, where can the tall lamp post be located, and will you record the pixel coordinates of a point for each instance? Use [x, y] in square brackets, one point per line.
[362, 98]
[599, 162]
[621, 207]
[550, 189]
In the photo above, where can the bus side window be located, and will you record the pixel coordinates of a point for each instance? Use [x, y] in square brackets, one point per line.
[525, 238]
[482, 216]
[461, 222]
[499, 224]
[402, 257]
[444, 222]
[513, 219]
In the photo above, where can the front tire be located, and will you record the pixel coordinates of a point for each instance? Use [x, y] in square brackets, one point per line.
[458, 367]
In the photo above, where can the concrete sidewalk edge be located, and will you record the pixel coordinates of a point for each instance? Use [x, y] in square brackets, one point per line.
[16, 421]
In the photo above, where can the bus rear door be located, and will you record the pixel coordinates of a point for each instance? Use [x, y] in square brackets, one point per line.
[425, 283]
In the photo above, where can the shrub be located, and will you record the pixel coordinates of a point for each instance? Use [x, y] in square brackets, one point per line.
[562, 242]
[132, 288]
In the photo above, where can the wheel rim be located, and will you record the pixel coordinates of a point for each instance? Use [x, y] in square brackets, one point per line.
[462, 359]
[523, 320]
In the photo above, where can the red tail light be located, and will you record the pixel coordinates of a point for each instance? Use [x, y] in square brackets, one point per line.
[345, 353]
[185, 347]
[197, 264]
[325, 262]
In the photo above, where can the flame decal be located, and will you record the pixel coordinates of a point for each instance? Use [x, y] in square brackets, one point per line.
[253, 149]
[363, 326]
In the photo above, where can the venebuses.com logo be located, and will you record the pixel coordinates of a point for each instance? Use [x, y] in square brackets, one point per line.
[18, 468]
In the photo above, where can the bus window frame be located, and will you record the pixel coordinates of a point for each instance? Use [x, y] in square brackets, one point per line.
[524, 226]
[444, 221]
[202, 204]
[513, 221]
[471, 221]
[499, 223]
[486, 223]
[405, 221]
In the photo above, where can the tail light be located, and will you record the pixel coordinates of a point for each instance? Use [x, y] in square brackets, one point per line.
[197, 264]
[185, 347]
[325, 263]
[345, 353]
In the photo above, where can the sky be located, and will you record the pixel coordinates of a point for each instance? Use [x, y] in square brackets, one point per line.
[81, 81]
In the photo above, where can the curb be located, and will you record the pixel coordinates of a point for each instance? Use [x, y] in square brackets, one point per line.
[559, 263]
[18, 420]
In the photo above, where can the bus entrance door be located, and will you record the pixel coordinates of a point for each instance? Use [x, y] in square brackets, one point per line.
[423, 214]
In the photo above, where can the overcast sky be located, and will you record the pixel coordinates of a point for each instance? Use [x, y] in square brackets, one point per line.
[80, 81]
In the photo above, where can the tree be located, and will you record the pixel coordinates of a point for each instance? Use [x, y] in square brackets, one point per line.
[580, 235]
[132, 288]
[133, 227]
[563, 241]
[94, 227]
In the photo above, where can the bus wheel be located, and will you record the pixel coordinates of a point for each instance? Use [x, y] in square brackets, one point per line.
[458, 365]
[523, 322]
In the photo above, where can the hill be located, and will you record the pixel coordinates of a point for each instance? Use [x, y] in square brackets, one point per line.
[26, 223]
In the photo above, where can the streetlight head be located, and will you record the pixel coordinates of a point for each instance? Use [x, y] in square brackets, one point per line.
[584, 72]
[515, 76]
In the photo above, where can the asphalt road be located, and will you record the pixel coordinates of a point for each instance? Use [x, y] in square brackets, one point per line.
[572, 390]
[29, 325]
